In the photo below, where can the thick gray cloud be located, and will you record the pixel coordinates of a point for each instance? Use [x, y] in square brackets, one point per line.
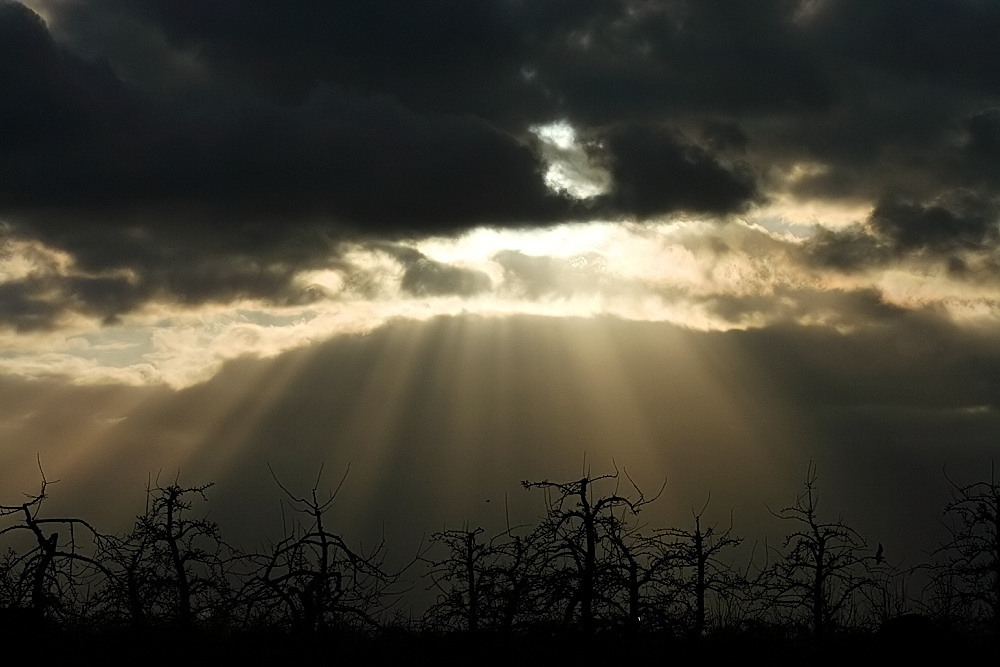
[27, 305]
[38, 302]
[944, 228]
[654, 169]
[131, 126]
[958, 223]
[90, 149]
[984, 137]
[851, 249]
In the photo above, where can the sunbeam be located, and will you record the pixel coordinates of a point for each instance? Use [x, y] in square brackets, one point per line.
[440, 249]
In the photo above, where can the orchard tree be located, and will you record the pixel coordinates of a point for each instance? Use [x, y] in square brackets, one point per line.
[511, 581]
[172, 568]
[824, 567]
[520, 570]
[47, 571]
[971, 566]
[642, 569]
[589, 542]
[698, 555]
[464, 579]
[313, 578]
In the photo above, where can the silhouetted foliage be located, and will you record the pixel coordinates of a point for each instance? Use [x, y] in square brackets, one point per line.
[970, 572]
[464, 579]
[50, 576]
[589, 544]
[500, 585]
[823, 567]
[171, 568]
[697, 554]
[312, 579]
[587, 568]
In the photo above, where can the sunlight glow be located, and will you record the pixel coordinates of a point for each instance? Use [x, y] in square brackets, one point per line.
[571, 168]
[785, 214]
[558, 241]
[698, 274]
[560, 134]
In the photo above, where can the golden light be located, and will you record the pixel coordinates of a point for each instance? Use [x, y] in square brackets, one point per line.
[571, 169]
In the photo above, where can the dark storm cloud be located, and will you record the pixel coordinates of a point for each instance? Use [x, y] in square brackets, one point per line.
[87, 146]
[119, 276]
[724, 136]
[446, 56]
[28, 305]
[251, 124]
[959, 222]
[353, 119]
[650, 59]
[39, 302]
[908, 77]
[49, 97]
[655, 170]
[984, 137]
[362, 162]
[218, 200]
[847, 250]
[943, 228]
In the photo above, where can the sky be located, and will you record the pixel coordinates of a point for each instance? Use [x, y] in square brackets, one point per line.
[454, 245]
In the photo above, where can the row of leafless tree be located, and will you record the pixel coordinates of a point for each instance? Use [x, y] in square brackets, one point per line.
[174, 568]
[589, 563]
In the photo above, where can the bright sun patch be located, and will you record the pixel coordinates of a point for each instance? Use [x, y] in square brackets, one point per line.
[558, 241]
[571, 168]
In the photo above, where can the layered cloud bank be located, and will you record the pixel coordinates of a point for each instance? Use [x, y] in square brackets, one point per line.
[183, 183]
[698, 275]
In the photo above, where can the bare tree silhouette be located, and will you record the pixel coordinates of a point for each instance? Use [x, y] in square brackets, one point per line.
[520, 570]
[171, 568]
[463, 578]
[313, 578]
[698, 552]
[643, 567]
[50, 576]
[588, 565]
[971, 566]
[496, 585]
[823, 566]
[589, 542]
